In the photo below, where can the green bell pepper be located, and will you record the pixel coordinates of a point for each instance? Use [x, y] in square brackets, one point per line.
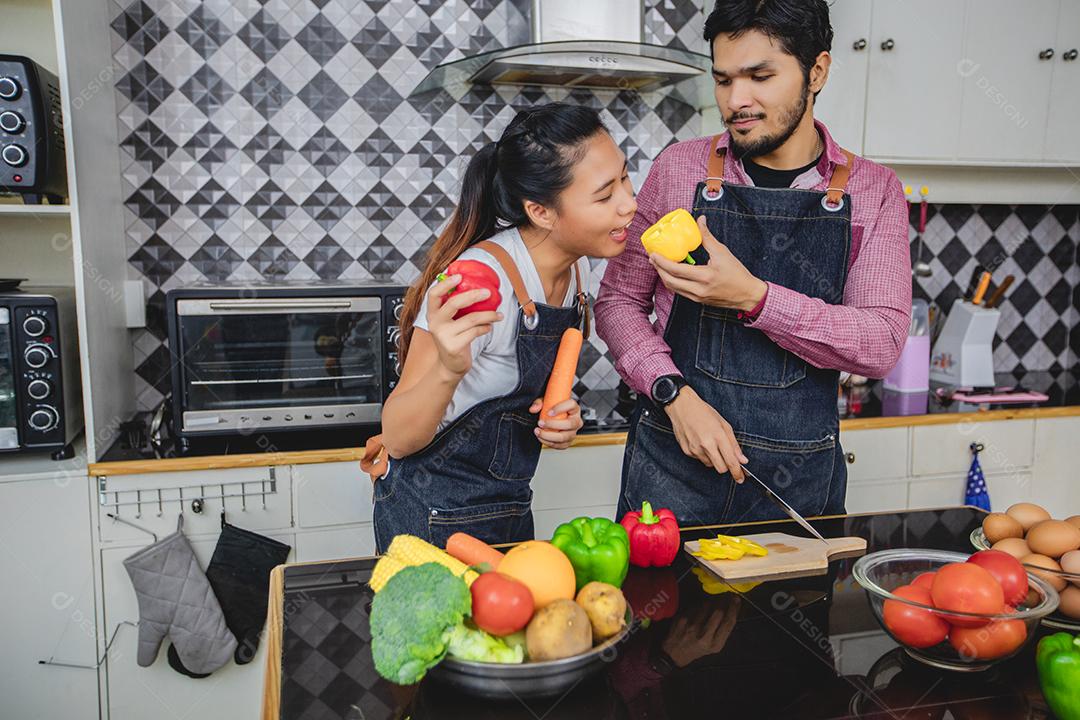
[598, 548]
[1058, 661]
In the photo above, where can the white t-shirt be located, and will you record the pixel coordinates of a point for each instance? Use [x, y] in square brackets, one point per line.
[494, 371]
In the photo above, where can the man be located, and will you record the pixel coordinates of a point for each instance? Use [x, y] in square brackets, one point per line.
[808, 273]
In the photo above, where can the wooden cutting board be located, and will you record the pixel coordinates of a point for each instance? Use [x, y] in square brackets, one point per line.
[788, 556]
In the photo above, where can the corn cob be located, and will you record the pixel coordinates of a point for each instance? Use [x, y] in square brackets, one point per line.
[408, 550]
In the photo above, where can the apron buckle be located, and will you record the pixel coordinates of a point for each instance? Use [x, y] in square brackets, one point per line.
[831, 207]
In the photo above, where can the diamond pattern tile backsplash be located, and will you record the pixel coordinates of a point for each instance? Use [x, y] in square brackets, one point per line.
[275, 139]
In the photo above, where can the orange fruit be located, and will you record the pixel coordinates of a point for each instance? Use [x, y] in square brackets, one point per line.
[543, 568]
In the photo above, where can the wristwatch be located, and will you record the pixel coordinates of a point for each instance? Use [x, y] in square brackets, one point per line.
[666, 388]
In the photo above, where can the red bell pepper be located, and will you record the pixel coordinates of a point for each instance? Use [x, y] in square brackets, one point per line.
[475, 275]
[654, 537]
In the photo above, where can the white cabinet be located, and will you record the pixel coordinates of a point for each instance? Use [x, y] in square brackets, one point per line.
[1062, 139]
[841, 105]
[234, 691]
[1008, 447]
[1056, 478]
[47, 604]
[914, 87]
[574, 482]
[876, 454]
[330, 494]
[1007, 70]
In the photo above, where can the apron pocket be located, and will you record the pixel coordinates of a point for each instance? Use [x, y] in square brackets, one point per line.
[498, 522]
[729, 351]
[517, 451]
[799, 471]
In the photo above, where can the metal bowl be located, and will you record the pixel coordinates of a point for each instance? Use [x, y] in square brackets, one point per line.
[502, 681]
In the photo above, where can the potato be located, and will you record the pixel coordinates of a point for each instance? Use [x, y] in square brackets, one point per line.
[606, 608]
[559, 629]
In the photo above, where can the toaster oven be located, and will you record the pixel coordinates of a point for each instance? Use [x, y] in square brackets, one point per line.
[281, 357]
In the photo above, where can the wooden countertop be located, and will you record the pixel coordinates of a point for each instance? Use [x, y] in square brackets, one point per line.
[305, 457]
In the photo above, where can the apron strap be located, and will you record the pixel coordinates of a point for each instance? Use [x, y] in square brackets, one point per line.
[833, 193]
[375, 460]
[582, 301]
[511, 270]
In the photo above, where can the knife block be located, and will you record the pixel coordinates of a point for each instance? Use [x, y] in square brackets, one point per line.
[963, 355]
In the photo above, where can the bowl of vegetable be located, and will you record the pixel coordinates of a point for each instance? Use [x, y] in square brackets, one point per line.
[952, 611]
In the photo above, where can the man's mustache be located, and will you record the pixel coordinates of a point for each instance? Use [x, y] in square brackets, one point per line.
[739, 117]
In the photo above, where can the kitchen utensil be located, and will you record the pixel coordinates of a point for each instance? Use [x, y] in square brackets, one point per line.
[973, 283]
[882, 572]
[788, 556]
[999, 294]
[980, 291]
[920, 268]
[920, 317]
[501, 681]
[791, 512]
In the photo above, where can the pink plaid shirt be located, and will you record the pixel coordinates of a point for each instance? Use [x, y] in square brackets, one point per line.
[863, 336]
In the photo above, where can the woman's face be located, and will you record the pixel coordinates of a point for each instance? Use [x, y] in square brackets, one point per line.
[598, 205]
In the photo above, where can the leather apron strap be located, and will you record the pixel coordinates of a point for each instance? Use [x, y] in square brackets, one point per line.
[714, 179]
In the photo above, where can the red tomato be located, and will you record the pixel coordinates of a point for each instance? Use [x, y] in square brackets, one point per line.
[966, 587]
[995, 640]
[500, 604]
[926, 580]
[1007, 570]
[911, 625]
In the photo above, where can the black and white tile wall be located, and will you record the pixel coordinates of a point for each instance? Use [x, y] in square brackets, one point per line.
[275, 139]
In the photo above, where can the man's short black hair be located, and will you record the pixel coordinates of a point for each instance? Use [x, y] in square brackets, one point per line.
[801, 27]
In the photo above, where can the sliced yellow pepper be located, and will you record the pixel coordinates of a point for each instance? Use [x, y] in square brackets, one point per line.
[714, 586]
[751, 547]
[673, 236]
[727, 547]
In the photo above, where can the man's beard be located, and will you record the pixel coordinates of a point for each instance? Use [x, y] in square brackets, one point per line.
[789, 121]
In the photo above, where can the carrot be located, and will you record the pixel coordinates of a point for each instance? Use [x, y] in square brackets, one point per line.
[473, 551]
[562, 374]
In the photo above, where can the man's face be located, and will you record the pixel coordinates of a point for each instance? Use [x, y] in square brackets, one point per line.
[761, 91]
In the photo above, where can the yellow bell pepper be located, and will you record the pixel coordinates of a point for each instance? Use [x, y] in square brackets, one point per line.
[674, 236]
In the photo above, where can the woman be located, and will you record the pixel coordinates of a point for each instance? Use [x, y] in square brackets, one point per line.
[461, 427]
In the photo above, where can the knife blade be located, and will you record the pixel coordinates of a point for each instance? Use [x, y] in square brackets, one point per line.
[779, 501]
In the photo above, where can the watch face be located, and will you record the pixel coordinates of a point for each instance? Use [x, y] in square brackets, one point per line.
[664, 391]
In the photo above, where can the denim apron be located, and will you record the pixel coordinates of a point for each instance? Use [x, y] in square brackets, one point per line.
[782, 409]
[474, 475]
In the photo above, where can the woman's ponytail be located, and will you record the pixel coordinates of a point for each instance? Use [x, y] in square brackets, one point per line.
[533, 160]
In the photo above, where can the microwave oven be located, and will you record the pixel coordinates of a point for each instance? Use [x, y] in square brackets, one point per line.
[40, 387]
[281, 357]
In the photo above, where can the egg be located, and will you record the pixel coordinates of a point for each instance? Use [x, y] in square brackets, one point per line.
[1074, 520]
[1070, 602]
[1041, 561]
[1027, 514]
[1053, 538]
[998, 526]
[1070, 563]
[1017, 547]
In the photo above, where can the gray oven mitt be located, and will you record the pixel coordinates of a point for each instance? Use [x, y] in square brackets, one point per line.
[176, 599]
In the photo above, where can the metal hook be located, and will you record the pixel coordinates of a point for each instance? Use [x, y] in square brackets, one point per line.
[159, 508]
[101, 660]
[262, 486]
[243, 497]
[117, 518]
[138, 504]
[181, 491]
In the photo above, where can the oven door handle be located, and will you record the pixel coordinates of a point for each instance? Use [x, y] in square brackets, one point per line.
[298, 304]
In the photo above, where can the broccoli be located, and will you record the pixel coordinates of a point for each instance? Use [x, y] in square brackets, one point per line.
[412, 619]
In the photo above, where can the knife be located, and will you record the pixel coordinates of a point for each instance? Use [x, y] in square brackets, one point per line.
[791, 512]
[999, 294]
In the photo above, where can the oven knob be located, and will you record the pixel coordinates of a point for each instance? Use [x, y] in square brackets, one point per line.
[398, 308]
[44, 418]
[395, 335]
[14, 155]
[37, 355]
[11, 122]
[9, 88]
[35, 325]
[39, 389]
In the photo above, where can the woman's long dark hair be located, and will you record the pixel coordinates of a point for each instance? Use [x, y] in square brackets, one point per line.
[533, 160]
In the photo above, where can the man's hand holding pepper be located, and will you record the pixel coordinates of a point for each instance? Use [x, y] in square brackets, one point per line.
[724, 282]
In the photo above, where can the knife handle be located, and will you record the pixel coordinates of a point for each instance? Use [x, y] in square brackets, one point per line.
[999, 294]
[980, 291]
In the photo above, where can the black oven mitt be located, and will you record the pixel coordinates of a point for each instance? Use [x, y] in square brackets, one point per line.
[239, 573]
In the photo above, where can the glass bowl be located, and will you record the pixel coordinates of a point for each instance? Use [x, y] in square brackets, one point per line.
[882, 572]
[1058, 619]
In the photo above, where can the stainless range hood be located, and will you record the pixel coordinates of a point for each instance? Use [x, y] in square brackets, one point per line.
[581, 44]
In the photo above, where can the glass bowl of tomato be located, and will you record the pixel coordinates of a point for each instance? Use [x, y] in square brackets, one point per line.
[918, 605]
